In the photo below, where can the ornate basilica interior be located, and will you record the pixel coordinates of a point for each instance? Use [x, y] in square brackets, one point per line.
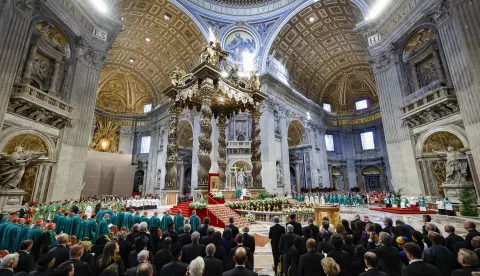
[124, 97]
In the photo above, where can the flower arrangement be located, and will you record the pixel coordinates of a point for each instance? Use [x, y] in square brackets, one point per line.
[198, 205]
[254, 203]
[250, 218]
[300, 210]
[217, 195]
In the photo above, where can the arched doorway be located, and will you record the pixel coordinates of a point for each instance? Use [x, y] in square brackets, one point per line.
[299, 157]
[184, 161]
[372, 178]
[336, 176]
[237, 168]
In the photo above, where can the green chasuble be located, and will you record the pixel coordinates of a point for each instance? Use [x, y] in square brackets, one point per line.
[103, 228]
[179, 222]
[114, 220]
[91, 231]
[166, 219]
[53, 240]
[61, 224]
[195, 222]
[99, 216]
[10, 237]
[128, 220]
[145, 219]
[67, 226]
[24, 233]
[81, 229]
[136, 219]
[3, 226]
[154, 222]
[35, 232]
[76, 220]
[238, 193]
[120, 219]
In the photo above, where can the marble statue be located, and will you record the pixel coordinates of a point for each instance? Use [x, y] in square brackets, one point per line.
[13, 167]
[159, 179]
[177, 75]
[455, 166]
[209, 54]
[280, 178]
[254, 81]
[241, 178]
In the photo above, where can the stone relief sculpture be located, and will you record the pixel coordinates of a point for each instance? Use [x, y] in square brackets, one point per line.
[12, 167]
[280, 177]
[455, 166]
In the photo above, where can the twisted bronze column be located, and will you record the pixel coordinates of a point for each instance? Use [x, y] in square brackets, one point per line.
[172, 154]
[204, 139]
[222, 149]
[256, 151]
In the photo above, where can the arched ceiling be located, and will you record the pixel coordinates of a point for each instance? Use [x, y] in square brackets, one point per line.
[174, 39]
[318, 47]
[243, 2]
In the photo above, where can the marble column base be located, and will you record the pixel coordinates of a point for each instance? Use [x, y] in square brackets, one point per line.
[452, 191]
[11, 200]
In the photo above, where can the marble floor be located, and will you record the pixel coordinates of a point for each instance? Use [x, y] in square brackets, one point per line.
[263, 254]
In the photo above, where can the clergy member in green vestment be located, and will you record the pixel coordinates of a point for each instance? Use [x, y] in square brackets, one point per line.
[114, 218]
[100, 215]
[51, 229]
[128, 220]
[76, 220]
[145, 218]
[4, 226]
[10, 236]
[81, 230]
[121, 218]
[195, 221]
[238, 193]
[166, 219]
[154, 221]
[137, 218]
[67, 226]
[25, 230]
[36, 231]
[103, 226]
[91, 231]
[57, 217]
[179, 221]
[61, 223]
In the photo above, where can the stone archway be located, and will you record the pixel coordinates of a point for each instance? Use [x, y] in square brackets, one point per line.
[336, 176]
[35, 180]
[372, 178]
[299, 156]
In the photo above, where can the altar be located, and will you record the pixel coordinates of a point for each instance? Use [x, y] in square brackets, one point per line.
[329, 211]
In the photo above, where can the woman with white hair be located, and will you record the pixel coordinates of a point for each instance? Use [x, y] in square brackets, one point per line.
[196, 267]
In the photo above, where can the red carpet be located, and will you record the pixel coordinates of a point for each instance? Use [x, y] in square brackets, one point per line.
[184, 207]
[401, 211]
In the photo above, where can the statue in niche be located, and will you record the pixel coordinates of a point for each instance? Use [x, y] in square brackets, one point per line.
[159, 179]
[241, 178]
[455, 166]
[13, 167]
[277, 122]
[280, 177]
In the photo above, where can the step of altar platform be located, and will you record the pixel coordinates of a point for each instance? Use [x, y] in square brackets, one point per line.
[219, 214]
[184, 207]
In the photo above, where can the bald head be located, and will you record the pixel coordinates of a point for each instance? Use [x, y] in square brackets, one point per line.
[240, 256]
[210, 250]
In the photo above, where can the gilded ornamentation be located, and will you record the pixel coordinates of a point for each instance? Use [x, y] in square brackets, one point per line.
[371, 170]
[205, 138]
[53, 35]
[297, 135]
[27, 184]
[222, 149]
[106, 137]
[209, 54]
[438, 142]
[416, 42]
[172, 148]
[30, 142]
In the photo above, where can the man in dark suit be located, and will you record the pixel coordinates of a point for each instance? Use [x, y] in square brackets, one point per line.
[22, 212]
[80, 268]
[274, 234]
[248, 241]
[185, 238]
[163, 256]
[297, 227]
[203, 229]
[142, 232]
[388, 255]
[233, 227]
[240, 260]
[193, 250]
[357, 221]
[470, 226]
[231, 264]
[125, 248]
[309, 264]
[341, 257]
[60, 251]
[439, 256]
[314, 228]
[26, 262]
[142, 258]
[286, 241]
[469, 261]
[206, 240]
[388, 223]
[175, 267]
[213, 266]
[371, 262]
[8, 265]
[417, 266]
[452, 238]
